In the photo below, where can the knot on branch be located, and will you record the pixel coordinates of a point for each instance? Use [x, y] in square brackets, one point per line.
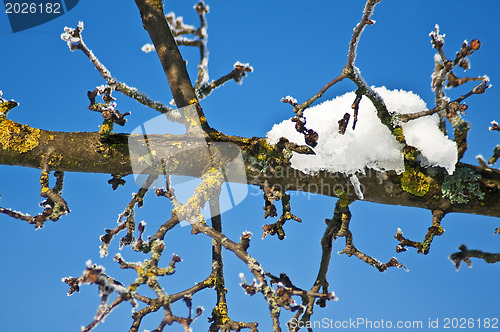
[240, 70]
[107, 109]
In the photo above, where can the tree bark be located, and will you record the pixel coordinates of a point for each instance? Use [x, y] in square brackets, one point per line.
[154, 22]
[80, 152]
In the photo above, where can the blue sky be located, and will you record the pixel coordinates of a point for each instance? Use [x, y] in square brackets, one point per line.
[294, 48]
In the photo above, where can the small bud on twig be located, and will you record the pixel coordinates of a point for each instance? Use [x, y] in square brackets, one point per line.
[475, 44]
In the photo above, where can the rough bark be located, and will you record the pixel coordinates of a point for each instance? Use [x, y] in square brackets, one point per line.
[79, 152]
[173, 64]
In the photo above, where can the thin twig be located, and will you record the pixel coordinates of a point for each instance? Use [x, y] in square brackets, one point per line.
[476, 90]
[330, 233]
[131, 92]
[422, 247]
[129, 222]
[343, 214]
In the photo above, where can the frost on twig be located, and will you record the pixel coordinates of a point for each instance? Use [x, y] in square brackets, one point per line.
[54, 206]
[6, 106]
[494, 126]
[94, 274]
[240, 70]
[75, 41]
[286, 289]
[496, 151]
[465, 255]
[444, 77]
[199, 39]
[129, 222]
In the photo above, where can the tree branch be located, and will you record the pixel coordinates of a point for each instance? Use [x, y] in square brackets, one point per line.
[78, 153]
[464, 255]
[174, 66]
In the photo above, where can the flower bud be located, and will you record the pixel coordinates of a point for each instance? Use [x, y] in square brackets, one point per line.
[475, 44]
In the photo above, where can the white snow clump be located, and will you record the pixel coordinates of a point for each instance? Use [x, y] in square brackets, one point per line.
[371, 144]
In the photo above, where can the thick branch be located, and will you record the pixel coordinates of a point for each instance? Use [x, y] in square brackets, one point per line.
[78, 153]
[174, 66]
[171, 59]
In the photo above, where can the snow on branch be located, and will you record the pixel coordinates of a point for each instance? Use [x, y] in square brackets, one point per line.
[371, 144]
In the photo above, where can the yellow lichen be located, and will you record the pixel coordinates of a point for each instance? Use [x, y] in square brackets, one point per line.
[410, 153]
[414, 182]
[343, 197]
[16, 137]
[55, 160]
[220, 311]
[106, 127]
[398, 133]
[6, 106]
[44, 182]
[159, 4]
[170, 164]
[49, 138]
[216, 135]
[193, 121]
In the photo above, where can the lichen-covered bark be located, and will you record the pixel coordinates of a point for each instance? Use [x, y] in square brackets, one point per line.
[79, 152]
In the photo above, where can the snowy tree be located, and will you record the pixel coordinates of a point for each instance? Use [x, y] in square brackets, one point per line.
[373, 144]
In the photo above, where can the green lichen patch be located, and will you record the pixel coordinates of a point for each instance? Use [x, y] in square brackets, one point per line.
[269, 158]
[398, 133]
[106, 127]
[410, 153]
[344, 199]
[462, 186]
[19, 138]
[414, 182]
